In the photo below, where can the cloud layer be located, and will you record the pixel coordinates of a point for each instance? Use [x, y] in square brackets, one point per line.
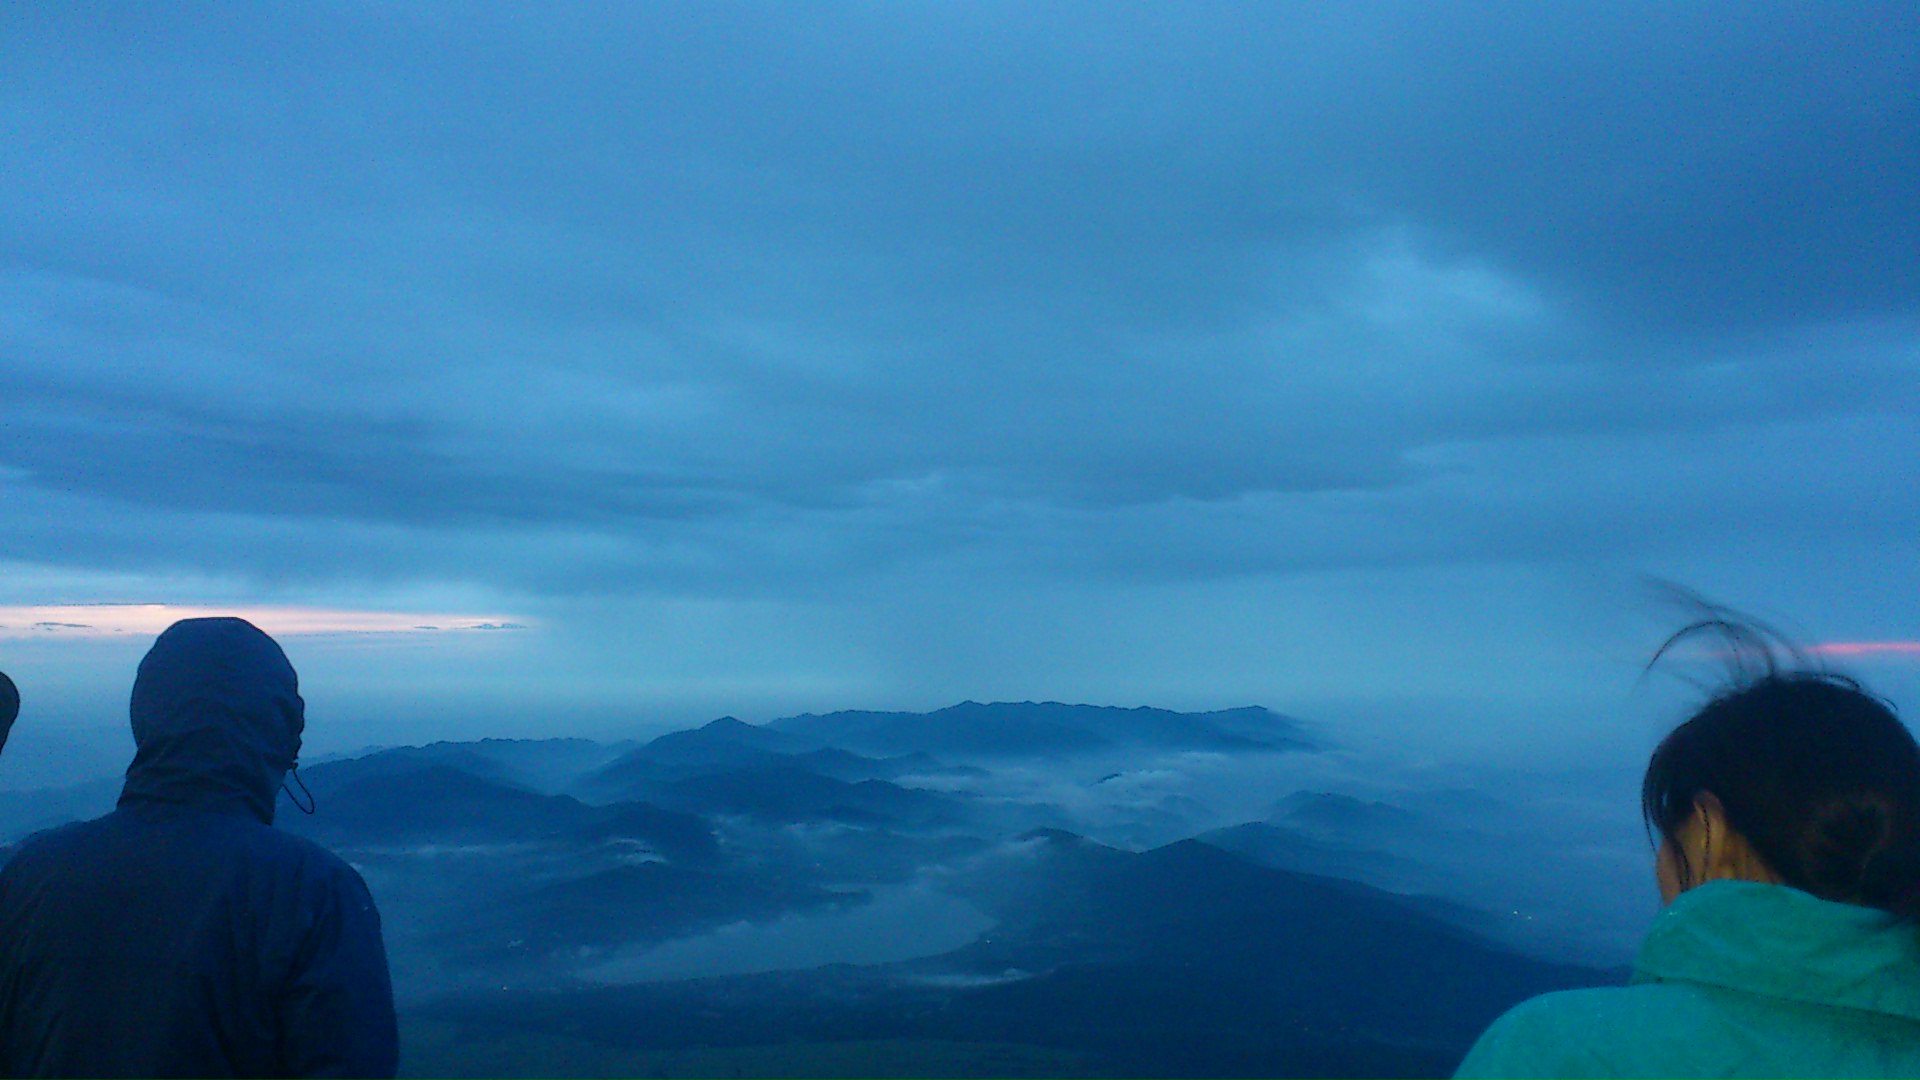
[706, 301]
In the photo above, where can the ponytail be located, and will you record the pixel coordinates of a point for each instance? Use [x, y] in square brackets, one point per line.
[1819, 775]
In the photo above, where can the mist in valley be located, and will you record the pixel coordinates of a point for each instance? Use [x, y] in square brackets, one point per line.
[874, 866]
[592, 399]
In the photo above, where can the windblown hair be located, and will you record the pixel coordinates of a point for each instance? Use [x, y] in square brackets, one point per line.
[1817, 773]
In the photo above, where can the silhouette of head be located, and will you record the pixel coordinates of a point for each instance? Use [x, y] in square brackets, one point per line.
[217, 717]
[1816, 776]
[9, 707]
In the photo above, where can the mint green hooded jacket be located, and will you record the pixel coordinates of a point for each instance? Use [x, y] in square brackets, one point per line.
[1735, 979]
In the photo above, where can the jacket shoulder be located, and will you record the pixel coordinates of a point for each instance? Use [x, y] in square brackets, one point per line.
[283, 855]
[49, 844]
[1642, 1030]
[194, 842]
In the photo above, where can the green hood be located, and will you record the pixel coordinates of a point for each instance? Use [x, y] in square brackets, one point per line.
[1735, 979]
[1784, 943]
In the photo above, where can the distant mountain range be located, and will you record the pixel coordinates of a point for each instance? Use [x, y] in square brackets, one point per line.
[971, 730]
[533, 889]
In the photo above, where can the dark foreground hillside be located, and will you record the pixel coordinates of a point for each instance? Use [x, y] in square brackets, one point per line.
[1183, 961]
[438, 1049]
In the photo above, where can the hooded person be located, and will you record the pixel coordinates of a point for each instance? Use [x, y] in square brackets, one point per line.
[182, 934]
[9, 707]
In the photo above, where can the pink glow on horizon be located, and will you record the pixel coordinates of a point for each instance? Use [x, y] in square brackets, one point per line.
[1866, 648]
[108, 620]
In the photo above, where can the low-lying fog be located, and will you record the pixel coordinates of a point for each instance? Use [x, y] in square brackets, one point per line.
[895, 923]
[513, 880]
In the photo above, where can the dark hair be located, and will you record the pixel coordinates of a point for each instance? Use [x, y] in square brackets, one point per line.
[1819, 775]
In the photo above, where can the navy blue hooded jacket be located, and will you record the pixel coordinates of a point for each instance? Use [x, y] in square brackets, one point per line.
[182, 934]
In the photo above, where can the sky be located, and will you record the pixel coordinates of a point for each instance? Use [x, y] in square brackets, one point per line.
[594, 368]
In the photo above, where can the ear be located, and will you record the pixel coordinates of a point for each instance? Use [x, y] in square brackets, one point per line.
[1712, 815]
[1725, 852]
[1710, 819]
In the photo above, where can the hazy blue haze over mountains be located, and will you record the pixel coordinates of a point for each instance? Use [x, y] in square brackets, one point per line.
[637, 363]
[987, 889]
[1028, 729]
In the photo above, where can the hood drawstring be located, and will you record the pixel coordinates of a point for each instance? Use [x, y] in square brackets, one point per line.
[294, 772]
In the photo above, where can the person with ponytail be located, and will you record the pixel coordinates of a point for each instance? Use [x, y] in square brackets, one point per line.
[1786, 814]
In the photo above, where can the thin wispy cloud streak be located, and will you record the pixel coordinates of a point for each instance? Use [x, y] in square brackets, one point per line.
[90, 620]
[1867, 648]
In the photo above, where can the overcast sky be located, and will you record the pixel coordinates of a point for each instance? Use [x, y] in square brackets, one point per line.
[1353, 359]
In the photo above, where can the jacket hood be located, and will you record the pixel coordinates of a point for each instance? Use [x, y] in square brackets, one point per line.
[9, 707]
[217, 718]
[1784, 943]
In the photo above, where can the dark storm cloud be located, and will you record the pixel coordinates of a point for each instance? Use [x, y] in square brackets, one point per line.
[681, 295]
